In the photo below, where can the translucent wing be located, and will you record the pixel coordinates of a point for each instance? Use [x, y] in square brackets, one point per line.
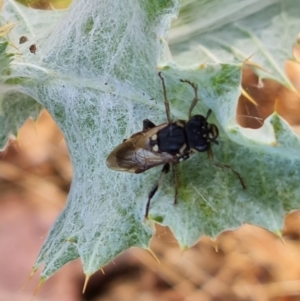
[134, 155]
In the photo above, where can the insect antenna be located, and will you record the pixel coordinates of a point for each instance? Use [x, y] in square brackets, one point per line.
[208, 114]
[167, 105]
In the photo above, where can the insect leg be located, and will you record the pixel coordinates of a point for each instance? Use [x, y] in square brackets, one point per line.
[167, 105]
[147, 124]
[176, 182]
[195, 100]
[164, 171]
[211, 157]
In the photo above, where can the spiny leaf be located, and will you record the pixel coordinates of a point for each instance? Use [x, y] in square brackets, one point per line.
[99, 81]
[231, 31]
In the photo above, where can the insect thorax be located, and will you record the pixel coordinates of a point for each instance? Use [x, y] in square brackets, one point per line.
[182, 137]
[172, 138]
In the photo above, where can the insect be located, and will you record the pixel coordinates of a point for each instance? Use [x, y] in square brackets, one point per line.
[167, 144]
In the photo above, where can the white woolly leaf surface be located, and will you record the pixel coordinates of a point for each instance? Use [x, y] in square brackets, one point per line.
[99, 81]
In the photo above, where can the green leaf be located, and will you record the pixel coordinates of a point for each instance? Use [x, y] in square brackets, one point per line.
[15, 107]
[17, 65]
[212, 199]
[99, 81]
[232, 31]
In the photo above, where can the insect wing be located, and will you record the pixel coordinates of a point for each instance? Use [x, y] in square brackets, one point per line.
[134, 155]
